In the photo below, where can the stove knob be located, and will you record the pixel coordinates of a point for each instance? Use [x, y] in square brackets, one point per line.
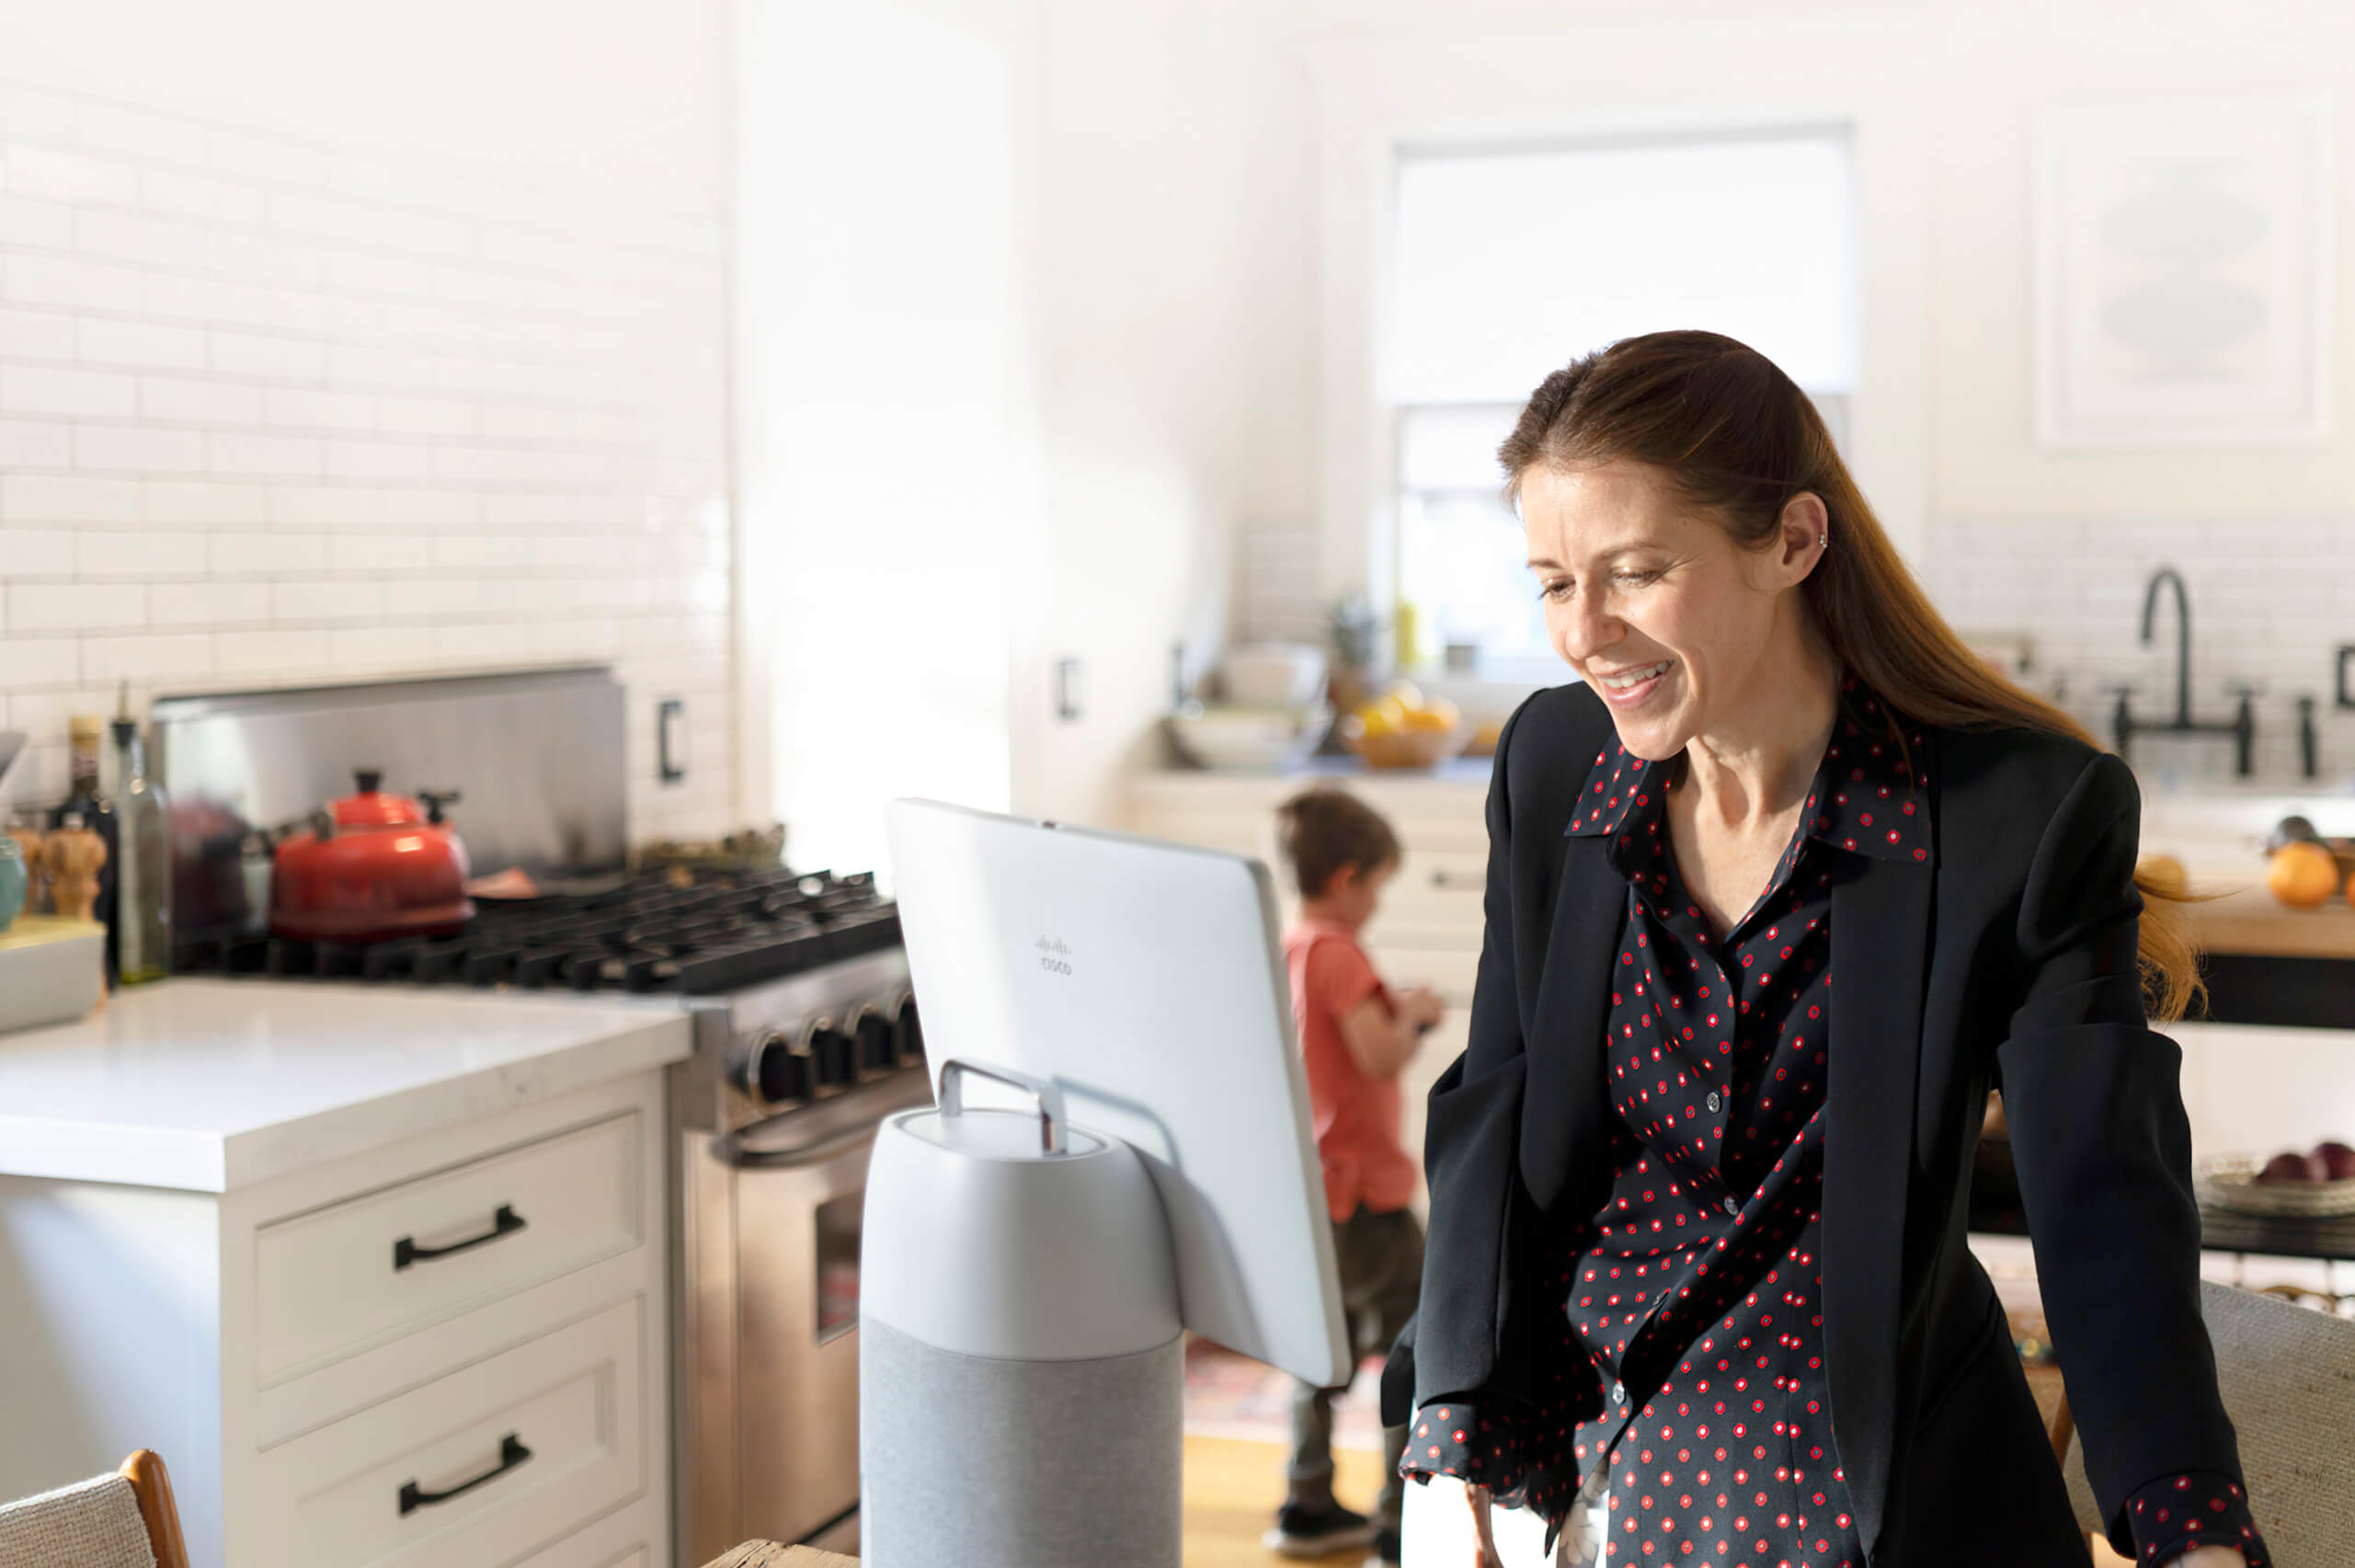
[771, 1072]
[871, 1034]
[836, 1056]
[911, 1033]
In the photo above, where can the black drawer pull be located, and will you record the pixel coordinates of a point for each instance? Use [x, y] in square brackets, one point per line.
[505, 1223]
[512, 1452]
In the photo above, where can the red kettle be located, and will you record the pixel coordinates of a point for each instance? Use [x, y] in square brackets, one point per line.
[371, 866]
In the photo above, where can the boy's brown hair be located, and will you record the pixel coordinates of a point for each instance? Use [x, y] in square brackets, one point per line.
[1324, 829]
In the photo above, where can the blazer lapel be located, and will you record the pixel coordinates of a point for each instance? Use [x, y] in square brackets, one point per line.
[1562, 1107]
[1880, 926]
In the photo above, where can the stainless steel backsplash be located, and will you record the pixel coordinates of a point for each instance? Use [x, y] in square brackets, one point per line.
[537, 756]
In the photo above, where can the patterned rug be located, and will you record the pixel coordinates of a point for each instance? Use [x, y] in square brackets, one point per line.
[1228, 1395]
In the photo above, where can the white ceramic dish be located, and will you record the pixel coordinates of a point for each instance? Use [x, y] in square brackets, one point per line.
[1237, 739]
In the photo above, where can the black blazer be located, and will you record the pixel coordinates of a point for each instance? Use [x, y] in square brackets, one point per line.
[2007, 959]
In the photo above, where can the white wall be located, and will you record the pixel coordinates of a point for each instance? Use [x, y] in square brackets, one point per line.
[1177, 321]
[338, 345]
[619, 99]
[1020, 347]
[886, 412]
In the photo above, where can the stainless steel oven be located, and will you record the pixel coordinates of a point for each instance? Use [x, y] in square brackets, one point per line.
[775, 1115]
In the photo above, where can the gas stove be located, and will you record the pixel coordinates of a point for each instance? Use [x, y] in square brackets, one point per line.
[698, 933]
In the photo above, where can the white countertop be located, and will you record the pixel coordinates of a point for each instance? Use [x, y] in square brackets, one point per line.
[208, 1084]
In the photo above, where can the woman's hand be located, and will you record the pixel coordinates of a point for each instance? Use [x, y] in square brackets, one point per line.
[1483, 1528]
[2212, 1557]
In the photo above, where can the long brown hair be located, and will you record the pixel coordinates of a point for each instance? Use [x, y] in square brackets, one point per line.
[1740, 438]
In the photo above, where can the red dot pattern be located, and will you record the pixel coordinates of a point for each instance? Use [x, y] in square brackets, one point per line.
[1693, 1298]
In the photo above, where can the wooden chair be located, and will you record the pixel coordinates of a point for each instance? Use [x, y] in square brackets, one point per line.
[123, 1520]
[2287, 1375]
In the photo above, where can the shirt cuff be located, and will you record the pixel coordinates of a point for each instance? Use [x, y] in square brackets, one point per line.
[1487, 1443]
[2174, 1514]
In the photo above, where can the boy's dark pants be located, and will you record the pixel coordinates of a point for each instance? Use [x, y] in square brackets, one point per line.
[1380, 1258]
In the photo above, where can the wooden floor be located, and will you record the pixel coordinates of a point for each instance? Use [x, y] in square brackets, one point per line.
[1231, 1490]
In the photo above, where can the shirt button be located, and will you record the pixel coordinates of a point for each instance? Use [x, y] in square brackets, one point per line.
[1619, 1393]
[1714, 1102]
[1734, 1206]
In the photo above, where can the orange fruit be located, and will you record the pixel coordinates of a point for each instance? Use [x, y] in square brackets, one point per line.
[2304, 875]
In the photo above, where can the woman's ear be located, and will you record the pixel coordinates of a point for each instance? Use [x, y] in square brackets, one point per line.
[1803, 534]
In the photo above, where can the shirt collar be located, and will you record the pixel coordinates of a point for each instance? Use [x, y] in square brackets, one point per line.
[1867, 797]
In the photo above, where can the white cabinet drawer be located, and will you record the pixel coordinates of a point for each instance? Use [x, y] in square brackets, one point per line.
[334, 1281]
[617, 1541]
[1451, 879]
[473, 1468]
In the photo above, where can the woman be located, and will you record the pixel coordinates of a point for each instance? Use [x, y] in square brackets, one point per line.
[1696, 1239]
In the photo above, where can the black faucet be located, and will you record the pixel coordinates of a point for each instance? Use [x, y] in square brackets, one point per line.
[2242, 726]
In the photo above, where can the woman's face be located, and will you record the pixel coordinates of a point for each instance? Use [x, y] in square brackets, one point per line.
[1680, 630]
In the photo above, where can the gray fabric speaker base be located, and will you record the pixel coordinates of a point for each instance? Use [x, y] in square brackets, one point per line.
[2287, 1375]
[986, 1463]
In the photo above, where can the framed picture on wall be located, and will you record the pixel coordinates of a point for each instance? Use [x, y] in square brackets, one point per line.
[2182, 272]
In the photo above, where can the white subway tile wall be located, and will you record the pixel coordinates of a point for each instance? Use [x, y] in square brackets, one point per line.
[2272, 598]
[279, 413]
[1276, 582]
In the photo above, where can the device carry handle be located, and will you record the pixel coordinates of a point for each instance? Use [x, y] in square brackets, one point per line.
[1051, 1118]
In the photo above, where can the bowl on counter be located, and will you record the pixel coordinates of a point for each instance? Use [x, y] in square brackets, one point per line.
[1405, 748]
[1247, 738]
[2233, 1181]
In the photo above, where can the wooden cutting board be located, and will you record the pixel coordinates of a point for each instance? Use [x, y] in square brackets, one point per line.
[769, 1554]
[2251, 921]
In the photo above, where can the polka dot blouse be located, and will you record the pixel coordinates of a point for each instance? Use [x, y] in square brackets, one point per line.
[1696, 1292]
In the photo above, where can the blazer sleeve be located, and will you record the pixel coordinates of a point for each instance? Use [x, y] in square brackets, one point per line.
[1470, 1147]
[2103, 1151]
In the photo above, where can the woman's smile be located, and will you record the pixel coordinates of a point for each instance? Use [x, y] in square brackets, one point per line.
[1629, 689]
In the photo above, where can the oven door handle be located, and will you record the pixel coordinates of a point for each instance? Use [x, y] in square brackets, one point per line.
[802, 1156]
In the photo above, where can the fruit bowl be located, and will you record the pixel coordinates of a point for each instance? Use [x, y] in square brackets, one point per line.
[1235, 738]
[1401, 749]
[2229, 1182]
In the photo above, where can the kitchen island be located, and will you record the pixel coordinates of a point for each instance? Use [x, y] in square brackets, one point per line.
[381, 1274]
[211, 1084]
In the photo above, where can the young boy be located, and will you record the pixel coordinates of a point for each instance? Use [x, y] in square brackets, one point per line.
[1356, 1035]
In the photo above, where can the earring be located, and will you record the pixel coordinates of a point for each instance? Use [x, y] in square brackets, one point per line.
[1823, 542]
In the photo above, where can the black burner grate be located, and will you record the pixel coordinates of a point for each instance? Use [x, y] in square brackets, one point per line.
[720, 932]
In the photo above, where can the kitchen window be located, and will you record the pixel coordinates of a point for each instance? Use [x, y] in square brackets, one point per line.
[1505, 263]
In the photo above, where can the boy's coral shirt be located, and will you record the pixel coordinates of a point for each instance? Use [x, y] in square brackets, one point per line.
[1357, 1117]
